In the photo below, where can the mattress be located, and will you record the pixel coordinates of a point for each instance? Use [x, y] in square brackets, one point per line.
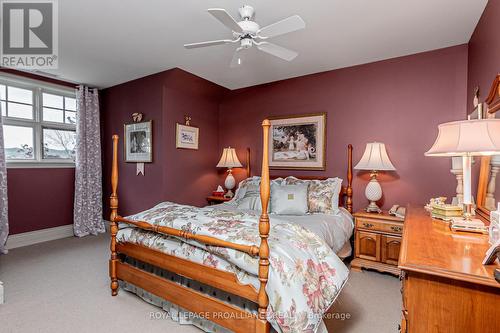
[334, 229]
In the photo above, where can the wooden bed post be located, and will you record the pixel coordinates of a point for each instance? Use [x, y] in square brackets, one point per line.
[249, 171]
[263, 300]
[349, 179]
[113, 204]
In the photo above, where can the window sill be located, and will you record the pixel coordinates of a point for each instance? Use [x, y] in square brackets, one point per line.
[40, 165]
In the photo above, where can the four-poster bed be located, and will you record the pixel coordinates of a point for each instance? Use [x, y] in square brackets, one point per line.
[197, 302]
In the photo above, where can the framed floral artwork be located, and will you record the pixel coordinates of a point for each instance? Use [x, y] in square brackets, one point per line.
[187, 137]
[298, 142]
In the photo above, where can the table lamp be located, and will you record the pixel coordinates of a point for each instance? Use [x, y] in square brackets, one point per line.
[229, 160]
[467, 138]
[374, 159]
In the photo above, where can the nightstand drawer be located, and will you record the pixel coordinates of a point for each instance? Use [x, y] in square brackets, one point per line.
[378, 225]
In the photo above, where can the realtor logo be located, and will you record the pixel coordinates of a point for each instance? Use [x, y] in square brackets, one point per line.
[29, 34]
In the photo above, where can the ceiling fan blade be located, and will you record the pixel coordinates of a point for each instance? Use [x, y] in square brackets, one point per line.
[210, 43]
[282, 27]
[237, 58]
[226, 19]
[277, 51]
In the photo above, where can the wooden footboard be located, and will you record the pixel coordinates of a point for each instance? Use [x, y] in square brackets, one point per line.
[207, 307]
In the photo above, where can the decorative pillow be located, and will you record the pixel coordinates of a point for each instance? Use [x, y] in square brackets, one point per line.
[291, 180]
[323, 195]
[251, 198]
[289, 199]
[242, 186]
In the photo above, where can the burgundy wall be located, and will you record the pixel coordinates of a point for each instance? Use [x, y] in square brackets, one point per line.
[39, 198]
[184, 176]
[484, 52]
[399, 102]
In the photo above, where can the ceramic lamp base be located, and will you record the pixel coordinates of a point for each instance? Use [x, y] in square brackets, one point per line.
[373, 208]
[230, 183]
[373, 193]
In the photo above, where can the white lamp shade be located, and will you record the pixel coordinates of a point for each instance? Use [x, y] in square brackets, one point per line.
[467, 137]
[375, 158]
[229, 159]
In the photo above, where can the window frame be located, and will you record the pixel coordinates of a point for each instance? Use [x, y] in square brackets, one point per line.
[37, 123]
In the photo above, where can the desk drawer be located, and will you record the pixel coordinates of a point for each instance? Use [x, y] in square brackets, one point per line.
[378, 225]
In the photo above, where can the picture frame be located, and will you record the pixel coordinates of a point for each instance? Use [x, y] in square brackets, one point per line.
[138, 142]
[186, 137]
[298, 142]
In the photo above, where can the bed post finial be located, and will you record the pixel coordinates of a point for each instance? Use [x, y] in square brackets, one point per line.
[265, 190]
[113, 204]
[349, 179]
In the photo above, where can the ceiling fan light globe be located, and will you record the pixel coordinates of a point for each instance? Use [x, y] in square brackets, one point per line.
[246, 12]
[249, 27]
[246, 43]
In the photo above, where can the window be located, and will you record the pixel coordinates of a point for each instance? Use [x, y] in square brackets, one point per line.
[39, 123]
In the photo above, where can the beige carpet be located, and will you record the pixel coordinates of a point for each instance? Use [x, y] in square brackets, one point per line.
[62, 286]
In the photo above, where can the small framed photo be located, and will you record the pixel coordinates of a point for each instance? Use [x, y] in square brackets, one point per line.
[298, 142]
[187, 137]
[139, 142]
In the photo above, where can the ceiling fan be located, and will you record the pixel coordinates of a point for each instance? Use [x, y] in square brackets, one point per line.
[248, 33]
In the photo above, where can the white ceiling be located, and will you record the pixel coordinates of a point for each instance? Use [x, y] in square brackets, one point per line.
[104, 43]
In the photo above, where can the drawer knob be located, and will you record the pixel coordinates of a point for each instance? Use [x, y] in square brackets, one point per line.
[397, 229]
[367, 225]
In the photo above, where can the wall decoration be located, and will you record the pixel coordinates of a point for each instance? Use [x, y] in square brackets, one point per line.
[137, 117]
[138, 142]
[186, 135]
[477, 112]
[298, 142]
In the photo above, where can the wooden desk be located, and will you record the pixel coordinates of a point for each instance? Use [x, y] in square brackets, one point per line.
[445, 286]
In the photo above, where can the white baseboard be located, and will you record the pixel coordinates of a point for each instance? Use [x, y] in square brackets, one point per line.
[39, 236]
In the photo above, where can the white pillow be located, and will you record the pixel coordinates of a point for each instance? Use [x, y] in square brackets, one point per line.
[289, 199]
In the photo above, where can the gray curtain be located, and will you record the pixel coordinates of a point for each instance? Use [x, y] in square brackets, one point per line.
[4, 220]
[88, 180]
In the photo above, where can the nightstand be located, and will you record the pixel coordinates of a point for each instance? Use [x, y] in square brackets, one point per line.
[377, 240]
[213, 200]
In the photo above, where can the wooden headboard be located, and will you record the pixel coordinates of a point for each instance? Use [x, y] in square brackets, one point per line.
[345, 196]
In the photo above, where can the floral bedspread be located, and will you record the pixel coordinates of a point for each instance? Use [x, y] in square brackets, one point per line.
[305, 275]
